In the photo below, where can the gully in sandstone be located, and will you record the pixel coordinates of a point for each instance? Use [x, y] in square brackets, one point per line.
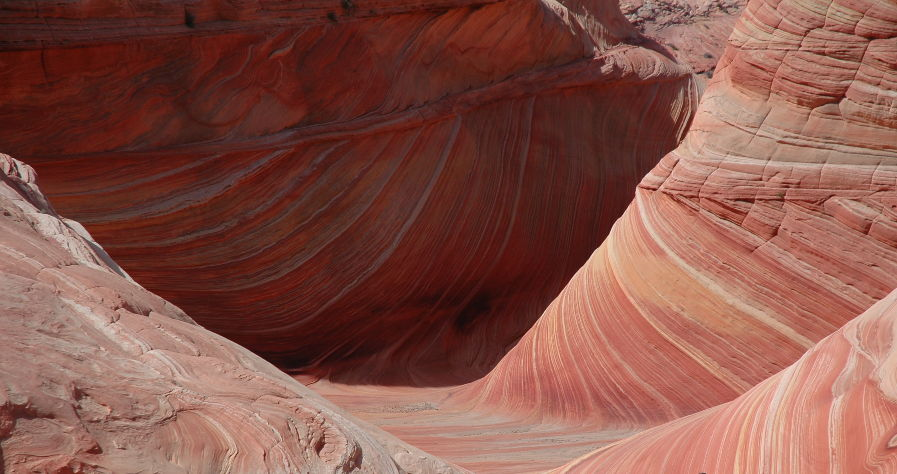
[448, 236]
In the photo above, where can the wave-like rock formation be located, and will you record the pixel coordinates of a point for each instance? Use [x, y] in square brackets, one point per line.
[379, 190]
[100, 375]
[832, 411]
[772, 225]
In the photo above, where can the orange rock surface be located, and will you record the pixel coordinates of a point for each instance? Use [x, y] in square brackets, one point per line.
[383, 191]
[100, 375]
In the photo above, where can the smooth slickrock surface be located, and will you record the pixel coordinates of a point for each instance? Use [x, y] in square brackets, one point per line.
[391, 191]
[835, 410]
[99, 375]
[772, 225]
[481, 441]
[387, 191]
[768, 229]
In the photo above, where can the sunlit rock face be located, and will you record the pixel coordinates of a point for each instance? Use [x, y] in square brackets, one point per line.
[376, 191]
[393, 192]
[834, 410]
[771, 226]
[100, 375]
[695, 31]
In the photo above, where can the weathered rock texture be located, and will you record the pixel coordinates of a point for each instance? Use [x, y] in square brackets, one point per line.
[694, 30]
[99, 375]
[835, 410]
[772, 225]
[362, 190]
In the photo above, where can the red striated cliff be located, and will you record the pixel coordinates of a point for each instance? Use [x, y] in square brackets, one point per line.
[100, 375]
[834, 410]
[772, 225]
[385, 191]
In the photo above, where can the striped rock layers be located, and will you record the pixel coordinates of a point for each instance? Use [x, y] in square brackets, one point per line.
[772, 225]
[378, 190]
[834, 410]
[99, 375]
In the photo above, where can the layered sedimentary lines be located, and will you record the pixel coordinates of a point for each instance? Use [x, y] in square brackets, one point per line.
[391, 192]
[834, 410]
[38, 24]
[392, 197]
[99, 375]
[770, 226]
[479, 441]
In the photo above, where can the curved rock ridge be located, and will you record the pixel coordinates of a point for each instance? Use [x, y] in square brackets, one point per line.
[772, 225]
[100, 375]
[391, 193]
[834, 410]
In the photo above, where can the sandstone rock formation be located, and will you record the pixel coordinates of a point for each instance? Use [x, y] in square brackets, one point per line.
[694, 30]
[99, 375]
[772, 225]
[834, 410]
[389, 192]
[374, 190]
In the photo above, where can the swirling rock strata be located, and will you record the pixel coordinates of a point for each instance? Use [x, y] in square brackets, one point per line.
[384, 191]
[771, 225]
[834, 410]
[100, 375]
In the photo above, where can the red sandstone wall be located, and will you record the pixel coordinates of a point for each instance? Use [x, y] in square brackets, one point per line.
[394, 195]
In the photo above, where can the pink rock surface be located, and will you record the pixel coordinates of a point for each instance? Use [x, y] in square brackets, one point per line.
[695, 31]
[769, 227]
[390, 192]
[298, 223]
[100, 375]
[484, 441]
[834, 410]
